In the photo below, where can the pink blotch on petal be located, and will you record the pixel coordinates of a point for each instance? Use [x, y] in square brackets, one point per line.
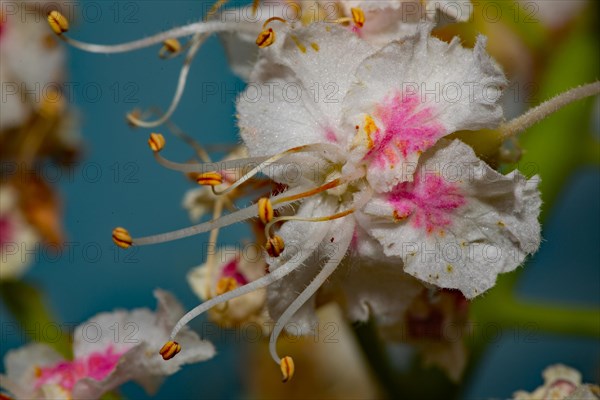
[231, 270]
[407, 129]
[67, 373]
[330, 135]
[430, 201]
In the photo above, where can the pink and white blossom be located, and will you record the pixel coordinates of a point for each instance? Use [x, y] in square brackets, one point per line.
[108, 350]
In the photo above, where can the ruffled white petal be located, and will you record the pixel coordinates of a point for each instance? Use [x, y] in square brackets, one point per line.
[418, 91]
[139, 334]
[483, 225]
[295, 96]
[365, 286]
[21, 364]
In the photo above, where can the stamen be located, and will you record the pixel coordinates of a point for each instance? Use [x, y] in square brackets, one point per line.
[196, 42]
[266, 163]
[286, 267]
[58, 22]
[265, 38]
[183, 74]
[251, 211]
[265, 210]
[226, 284]
[314, 285]
[122, 238]
[203, 27]
[211, 167]
[287, 368]
[268, 21]
[294, 218]
[358, 16]
[540, 112]
[171, 47]
[323, 188]
[169, 350]
[226, 220]
[209, 179]
[156, 142]
[275, 246]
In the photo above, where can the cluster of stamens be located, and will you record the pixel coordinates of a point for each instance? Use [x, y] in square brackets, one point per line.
[267, 36]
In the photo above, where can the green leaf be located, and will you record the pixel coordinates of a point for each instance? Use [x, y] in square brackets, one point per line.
[26, 304]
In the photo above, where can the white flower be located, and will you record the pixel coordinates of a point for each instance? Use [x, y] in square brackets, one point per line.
[109, 350]
[373, 180]
[31, 61]
[231, 267]
[561, 383]
[17, 236]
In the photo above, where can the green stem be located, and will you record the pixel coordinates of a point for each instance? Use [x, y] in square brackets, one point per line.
[509, 312]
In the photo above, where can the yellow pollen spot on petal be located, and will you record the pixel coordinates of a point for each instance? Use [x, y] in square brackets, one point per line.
[358, 16]
[122, 238]
[58, 22]
[399, 217]
[299, 45]
[209, 179]
[314, 46]
[370, 128]
[265, 210]
[265, 38]
[449, 268]
[274, 246]
[287, 368]
[156, 141]
[501, 224]
[226, 284]
[169, 350]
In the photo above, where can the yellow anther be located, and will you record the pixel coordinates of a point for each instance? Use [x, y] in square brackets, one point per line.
[255, 4]
[265, 210]
[209, 179]
[265, 38]
[121, 237]
[358, 16]
[287, 368]
[172, 45]
[58, 22]
[275, 246]
[226, 284]
[156, 142]
[170, 350]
